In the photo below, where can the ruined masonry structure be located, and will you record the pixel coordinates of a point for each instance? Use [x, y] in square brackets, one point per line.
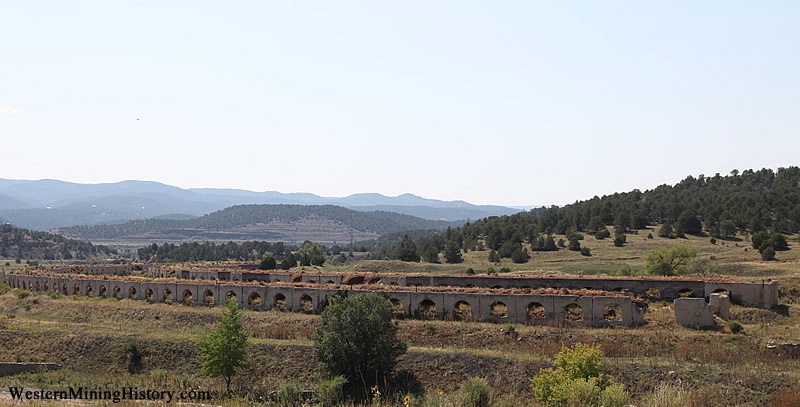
[210, 287]
[518, 308]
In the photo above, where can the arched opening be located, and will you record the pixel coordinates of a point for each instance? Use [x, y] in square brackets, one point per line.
[103, 293]
[355, 280]
[397, 309]
[279, 302]
[374, 280]
[652, 293]
[65, 290]
[573, 312]
[37, 286]
[306, 304]
[46, 286]
[192, 277]
[229, 295]
[187, 297]
[722, 291]
[76, 290]
[311, 281]
[117, 293]
[469, 286]
[254, 299]
[236, 279]
[208, 297]
[167, 295]
[497, 287]
[535, 311]
[619, 290]
[132, 293]
[297, 279]
[685, 292]
[89, 291]
[612, 312]
[462, 311]
[498, 310]
[23, 285]
[148, 293]
[427, 309]
[329, 282]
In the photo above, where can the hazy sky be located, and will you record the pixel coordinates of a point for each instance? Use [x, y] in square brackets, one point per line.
[491, 102]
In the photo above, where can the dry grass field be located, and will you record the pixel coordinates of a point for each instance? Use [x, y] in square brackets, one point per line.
[661, 363]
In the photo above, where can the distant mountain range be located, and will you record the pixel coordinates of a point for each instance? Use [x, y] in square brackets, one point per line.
[50, 204]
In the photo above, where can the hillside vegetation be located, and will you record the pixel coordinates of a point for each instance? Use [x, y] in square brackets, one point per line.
[16, 243]
[378, 222]
[724, 207]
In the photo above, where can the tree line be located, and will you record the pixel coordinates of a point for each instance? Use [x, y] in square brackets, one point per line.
[18, 243]
[749, 202]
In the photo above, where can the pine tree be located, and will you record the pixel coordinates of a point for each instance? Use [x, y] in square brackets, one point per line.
[452, 254]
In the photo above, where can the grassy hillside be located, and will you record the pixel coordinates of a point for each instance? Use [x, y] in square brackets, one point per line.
[88, 336]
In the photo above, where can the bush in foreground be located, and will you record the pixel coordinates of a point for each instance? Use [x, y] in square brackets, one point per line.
[357, 339]
[577, 379]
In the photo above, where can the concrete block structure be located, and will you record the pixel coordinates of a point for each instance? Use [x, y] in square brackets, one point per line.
[693, 313]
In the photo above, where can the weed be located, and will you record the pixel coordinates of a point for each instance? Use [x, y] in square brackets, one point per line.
[475, 392]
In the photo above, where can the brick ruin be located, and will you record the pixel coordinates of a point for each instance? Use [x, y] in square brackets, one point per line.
[588, 301]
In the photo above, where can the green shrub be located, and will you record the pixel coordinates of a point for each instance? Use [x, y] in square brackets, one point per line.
[289, 394]
[329, 391]
[54, 294]
[736, 326]
[767, 254]
[134, 357]
[614, 395]
[475, 392]
[577, 380]
[22, 293]
[585, 251]
[713, 240]
[505, 269]
[356, 338]
[470, 271]
[3, 288]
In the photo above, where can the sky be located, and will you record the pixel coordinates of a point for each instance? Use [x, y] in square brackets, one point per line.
[504, 102]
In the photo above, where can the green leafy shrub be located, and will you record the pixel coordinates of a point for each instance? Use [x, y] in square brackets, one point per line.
[357, 339]
[54, 294]
[577, 380]
[134, 357]
[22, 293]
[329, 391]
[736, 326]
[289, 394]
[585, 251]
[475, 392]
[3, 288]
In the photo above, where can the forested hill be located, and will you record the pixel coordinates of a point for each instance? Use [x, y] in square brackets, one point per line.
[378, 222]
[749, 201]
[16, 243]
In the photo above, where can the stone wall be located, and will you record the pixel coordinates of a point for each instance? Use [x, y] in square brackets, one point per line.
[515, 308]
[764, 294]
